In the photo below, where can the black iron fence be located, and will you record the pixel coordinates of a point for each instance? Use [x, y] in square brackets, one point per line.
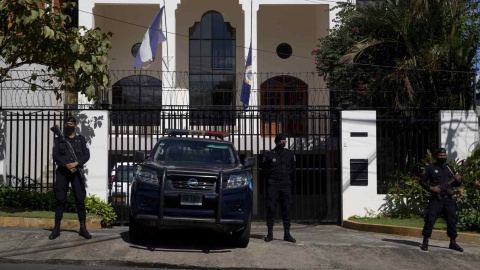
[313, 134]
[27, 145]
[403, 138]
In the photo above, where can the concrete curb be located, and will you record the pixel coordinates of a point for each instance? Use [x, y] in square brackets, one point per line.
[409, 231]
[93, 222]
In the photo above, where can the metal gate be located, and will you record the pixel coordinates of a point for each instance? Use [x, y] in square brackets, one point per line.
[313, 134]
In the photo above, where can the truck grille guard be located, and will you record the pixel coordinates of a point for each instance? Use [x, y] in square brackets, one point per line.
[218, 194]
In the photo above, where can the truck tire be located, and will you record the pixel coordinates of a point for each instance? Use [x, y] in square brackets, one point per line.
[135, 232]
[242, 238]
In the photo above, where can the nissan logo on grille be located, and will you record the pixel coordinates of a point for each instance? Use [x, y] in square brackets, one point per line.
[192, 182]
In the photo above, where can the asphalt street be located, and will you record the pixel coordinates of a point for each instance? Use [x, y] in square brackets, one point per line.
[318, 247]
[28, 266]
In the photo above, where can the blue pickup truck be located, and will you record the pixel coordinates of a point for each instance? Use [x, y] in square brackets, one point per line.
[189, 182]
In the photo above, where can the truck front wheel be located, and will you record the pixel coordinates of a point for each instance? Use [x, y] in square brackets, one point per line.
[242, 238]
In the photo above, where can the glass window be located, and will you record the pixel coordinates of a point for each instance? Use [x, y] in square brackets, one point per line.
[212, 55]
[173, 151]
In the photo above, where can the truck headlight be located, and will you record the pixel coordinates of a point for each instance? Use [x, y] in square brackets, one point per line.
[238, 180]
[146, 175]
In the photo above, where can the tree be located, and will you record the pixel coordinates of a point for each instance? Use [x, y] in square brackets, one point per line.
[402, 53]
[75, 59]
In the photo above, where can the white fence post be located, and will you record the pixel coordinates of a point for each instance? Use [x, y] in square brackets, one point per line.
[459, 133]
[93, 125]
[359, 150]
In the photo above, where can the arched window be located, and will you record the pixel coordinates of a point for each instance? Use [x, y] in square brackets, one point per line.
[212, 61]
[137, 91]
[280, 93]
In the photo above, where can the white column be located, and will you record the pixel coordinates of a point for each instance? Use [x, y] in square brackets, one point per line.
[88, 21]
[3, 148]
[332, 15]
[250, 9]
[168, 53]
[359, 142]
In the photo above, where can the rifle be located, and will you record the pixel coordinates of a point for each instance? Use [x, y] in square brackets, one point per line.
[56, 130]
[445, 185]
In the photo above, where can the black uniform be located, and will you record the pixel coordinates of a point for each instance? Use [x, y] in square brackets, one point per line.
[64, 176]
[280, 170]
[437, 175]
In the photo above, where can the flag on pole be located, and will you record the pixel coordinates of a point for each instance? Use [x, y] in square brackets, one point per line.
[151, 39]
[248, 79]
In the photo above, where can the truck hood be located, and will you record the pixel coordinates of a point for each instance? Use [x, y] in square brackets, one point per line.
[197, 168]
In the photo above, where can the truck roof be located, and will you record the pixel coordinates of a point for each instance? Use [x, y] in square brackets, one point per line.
[195, 139]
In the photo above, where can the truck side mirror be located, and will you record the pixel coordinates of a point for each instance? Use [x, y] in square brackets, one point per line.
[140, 156]
[249, 162]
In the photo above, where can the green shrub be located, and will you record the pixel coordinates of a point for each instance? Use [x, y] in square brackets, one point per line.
[408, 199]
[32, 200]
[96, 206]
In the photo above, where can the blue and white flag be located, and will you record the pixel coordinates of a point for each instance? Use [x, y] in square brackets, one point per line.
[248, 79]
[151, 39]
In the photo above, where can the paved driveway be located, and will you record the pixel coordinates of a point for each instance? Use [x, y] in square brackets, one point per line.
[318, 247]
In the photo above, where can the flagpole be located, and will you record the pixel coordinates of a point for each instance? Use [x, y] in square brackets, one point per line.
[251, 41]
[166, 34]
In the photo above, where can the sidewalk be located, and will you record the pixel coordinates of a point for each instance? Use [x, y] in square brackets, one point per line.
[318, 247]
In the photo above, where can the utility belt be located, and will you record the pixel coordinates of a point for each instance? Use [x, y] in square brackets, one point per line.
[442, 196]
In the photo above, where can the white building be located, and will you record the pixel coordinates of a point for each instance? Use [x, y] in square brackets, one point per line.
[207, 45]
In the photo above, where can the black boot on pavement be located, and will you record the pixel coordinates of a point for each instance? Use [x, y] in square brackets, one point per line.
[454, 245]
[83, 230]
[269, 236]
[287, 237]
[424, 245]
[55, 232]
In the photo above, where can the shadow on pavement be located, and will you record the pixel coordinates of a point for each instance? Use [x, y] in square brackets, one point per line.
[193, 241]
[62, 230]
[258, 236]
[409, 243]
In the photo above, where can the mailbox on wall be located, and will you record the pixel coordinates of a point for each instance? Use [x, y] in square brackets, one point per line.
[359, 172]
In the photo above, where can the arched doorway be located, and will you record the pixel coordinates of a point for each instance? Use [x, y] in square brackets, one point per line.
[289, 95]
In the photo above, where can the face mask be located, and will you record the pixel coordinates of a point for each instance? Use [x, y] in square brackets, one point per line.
[281, 146]
[68, 130]
[441, 160]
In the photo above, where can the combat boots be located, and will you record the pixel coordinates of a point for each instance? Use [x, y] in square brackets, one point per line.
[55, 232]
[454, 245]
[287, 237]
[269, 236]
[424, 245]
[83, 230]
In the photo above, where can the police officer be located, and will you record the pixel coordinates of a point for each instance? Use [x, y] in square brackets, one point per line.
[441, 201]
[67, 172]
[280, 170]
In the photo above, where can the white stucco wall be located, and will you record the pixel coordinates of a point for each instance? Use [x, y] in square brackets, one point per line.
[459, 133]
[126, 34]
[356, 199]
[300, 26]
[96, 169]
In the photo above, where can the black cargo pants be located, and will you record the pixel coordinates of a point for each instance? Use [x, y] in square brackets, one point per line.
[63, 178]
[448, 207]
[284, 195]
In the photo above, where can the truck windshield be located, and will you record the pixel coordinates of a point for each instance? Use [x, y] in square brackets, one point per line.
[194, 152]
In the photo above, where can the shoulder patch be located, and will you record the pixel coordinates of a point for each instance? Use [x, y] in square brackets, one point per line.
[88, 146]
